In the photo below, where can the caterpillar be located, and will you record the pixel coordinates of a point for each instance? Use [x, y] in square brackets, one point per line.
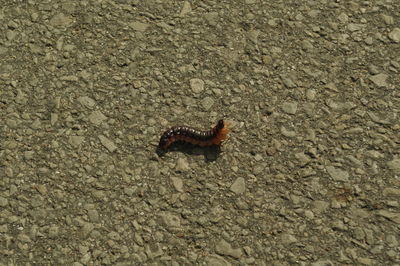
[214, 136]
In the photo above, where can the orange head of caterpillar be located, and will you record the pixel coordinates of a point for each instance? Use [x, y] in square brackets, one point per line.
[222, 132]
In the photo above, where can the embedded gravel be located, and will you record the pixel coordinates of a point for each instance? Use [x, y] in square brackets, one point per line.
[309, 176]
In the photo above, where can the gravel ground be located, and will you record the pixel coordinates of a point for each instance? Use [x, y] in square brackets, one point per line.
[309, 176]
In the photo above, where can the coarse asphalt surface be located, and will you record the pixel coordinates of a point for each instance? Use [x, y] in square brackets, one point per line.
[309, 176]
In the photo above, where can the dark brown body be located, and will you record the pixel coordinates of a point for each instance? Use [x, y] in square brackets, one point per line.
[210, 137]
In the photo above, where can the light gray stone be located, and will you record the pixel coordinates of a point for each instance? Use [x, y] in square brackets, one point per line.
[379, 79]
[288, 133]
[109, 144]
[337, 174]
[319, 206]
[97, 117]
[395, 192]
[216, 260]
[288, 82]
[393, 216]
[289, 107]
[182, 165]
[3, 202]
[239, 186]
[197, 85]
[87, 101]
[211, 18]
[343, 18]
[139, 26]
[85, 230]
[388, 19]
[355, 27]
[302, 158]
[61, 20]
[153, 251]
[394, 165]
[288, 239]
[177, 183]
[207, 103]
[224, 248]
[170, 220]
[322, 263]
[186, 8]
[76, 141]
[394, 35]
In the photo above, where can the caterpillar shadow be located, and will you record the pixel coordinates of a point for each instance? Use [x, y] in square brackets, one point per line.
[210, 153]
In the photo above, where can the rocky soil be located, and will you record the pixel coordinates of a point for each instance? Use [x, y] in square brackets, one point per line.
[309, 176]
